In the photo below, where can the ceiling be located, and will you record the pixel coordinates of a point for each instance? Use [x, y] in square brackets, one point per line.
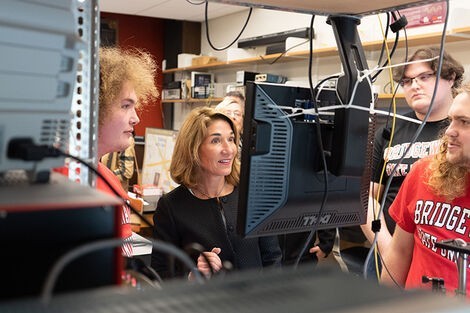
[169, 9]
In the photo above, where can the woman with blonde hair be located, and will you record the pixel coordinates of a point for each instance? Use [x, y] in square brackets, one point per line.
[203, 209]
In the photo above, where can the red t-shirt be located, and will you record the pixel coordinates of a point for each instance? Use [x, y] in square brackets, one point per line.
[126, 214]
[430, 218]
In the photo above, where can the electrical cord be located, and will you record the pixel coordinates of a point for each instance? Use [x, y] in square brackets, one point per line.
[137, 265]
[401, 25]
[196, 3]
[25, 149]
[196, 247]
[376, 223]
[207, 29]
[96, 172]
[384, 41]
[320, 146]
[81, 250]
[375, 248]
[384, 265]
[420, 128]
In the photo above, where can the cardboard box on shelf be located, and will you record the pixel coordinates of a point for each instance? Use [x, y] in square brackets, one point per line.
[203, 60]
[150, 193]
[185, 59]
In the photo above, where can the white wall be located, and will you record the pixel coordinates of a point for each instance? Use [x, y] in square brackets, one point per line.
[224, 30]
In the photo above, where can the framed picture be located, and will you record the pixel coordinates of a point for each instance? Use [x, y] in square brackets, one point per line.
[159, 145]
[201, 85]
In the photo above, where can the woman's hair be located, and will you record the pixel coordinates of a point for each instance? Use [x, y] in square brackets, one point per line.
[118, 66]
[228, 99]
[451, 68]
[236, 94]
[185, 163]
[447, 179]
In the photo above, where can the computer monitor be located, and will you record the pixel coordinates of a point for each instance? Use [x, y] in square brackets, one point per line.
[282, 179]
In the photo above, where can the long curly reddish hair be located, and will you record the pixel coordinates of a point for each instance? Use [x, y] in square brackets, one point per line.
[447, 179]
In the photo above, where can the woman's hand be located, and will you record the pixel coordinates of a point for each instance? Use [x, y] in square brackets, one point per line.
[320, 254]
[215, 264]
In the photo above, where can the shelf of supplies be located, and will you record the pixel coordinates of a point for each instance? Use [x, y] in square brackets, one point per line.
[454, 35]
[381, 96]
[192, 100]
[265, 59]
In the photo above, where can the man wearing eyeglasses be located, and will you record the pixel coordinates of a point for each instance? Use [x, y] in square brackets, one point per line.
[417, 80]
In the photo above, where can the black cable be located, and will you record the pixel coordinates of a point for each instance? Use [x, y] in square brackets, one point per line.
[369, 254]
[420, 128]
[384, 195]
[138, 266]
[320, 146]
[235, 40]
[392, 52]
[384, 41]
[96, 172]
[402, 74]
[196, 247]
[26, 149]
[96, 245]
[196, 3]
[394, 48]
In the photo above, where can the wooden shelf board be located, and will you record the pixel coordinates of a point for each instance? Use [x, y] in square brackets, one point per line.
[381, 96]
[454, 35]
[192, 100]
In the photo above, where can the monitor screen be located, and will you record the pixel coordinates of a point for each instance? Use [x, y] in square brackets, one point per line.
[282, 178]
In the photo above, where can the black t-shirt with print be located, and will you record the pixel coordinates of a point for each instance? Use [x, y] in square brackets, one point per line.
[426, 144]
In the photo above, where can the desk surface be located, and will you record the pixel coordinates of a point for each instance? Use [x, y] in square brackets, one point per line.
[327, 7]
[301, 291]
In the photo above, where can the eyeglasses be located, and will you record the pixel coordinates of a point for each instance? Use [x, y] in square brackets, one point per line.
[421, 78]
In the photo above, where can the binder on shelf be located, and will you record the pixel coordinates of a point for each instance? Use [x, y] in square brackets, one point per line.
[201, 85]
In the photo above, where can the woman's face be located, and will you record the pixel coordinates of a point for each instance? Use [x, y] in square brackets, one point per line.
[218, 150]
[116, 129]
